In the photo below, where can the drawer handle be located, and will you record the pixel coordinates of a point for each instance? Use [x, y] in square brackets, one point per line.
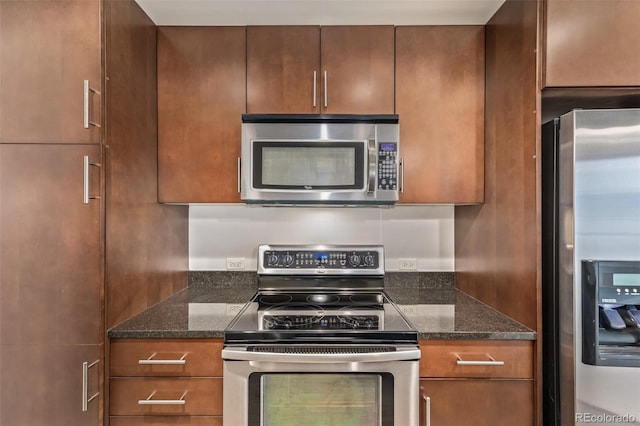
[151, 361]
[490, 362]
[150, 401]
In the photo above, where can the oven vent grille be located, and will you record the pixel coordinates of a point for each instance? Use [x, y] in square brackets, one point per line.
[321, 350]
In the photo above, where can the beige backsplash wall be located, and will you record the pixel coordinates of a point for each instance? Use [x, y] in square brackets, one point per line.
[217, 232]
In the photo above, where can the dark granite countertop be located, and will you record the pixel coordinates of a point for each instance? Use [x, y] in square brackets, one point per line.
[429, 300]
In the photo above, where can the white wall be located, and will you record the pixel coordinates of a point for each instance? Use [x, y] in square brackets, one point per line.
[421, 232]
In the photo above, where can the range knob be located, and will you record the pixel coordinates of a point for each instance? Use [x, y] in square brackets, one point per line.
[354, 260]
[272, 260]
[369, 260]
[287, 260]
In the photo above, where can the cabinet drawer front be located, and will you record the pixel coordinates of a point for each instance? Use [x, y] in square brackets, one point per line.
[164, 420]
[163, 396]
[493, 359]
[164, 357]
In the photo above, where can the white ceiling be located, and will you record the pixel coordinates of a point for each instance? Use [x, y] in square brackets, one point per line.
[320, 12]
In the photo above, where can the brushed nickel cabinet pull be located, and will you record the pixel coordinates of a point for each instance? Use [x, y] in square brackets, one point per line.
[239, 174]
[150, 401]
[326, 94]
[151, 361]
[427, 410]
[315, 90]
[86, 184]
[490, 362]
[87, 113]
[85, 385]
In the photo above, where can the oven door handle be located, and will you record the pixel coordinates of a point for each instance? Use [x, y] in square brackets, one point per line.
[242, 354]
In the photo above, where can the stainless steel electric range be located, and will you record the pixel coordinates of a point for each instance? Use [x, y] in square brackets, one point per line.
[320, 343]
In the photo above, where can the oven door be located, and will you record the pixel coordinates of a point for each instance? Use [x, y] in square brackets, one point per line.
[332, 385]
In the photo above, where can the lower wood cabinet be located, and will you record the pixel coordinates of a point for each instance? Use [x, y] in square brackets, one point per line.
[476, 383]
[165, 381]
[165, 420]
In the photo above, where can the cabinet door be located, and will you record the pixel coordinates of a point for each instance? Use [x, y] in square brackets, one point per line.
[50, 283]
[48, 49]
[477, 402]
[440, 101]
[201, 99]
[359, 67]
[592, 43]
[283, 69]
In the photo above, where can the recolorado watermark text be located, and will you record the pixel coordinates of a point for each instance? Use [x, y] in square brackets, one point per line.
[613, 419]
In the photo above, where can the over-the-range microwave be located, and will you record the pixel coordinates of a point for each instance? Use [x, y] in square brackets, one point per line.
[346, 160]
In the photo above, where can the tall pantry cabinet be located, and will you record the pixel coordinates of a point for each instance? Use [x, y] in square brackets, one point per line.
[84, 243]
[51, 213]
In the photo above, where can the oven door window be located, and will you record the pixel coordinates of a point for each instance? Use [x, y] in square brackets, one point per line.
[283, 399]
[304, 165]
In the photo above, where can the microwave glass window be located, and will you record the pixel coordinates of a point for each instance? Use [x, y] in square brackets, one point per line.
[310, 166]
[321, 399]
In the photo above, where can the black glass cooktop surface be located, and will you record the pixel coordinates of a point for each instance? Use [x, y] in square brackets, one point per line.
[320, 317]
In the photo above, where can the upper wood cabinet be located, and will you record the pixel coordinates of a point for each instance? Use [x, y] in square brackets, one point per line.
[282, 62]
[49, 48]
[201, 98]
[440, 102]
[328, 70]
[592, 43]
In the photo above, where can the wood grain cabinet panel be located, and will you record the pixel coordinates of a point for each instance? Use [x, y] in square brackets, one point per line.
[453, 394]
[477, 402]
[490, 358]
[165, 420]
[440, 101]
[48, 49]
[201, 98]
[188, 370]
[281, 62]
[592, 43]
[50, 284]
[358, 62]
[359, 66]
[131, 396]
[144, 357]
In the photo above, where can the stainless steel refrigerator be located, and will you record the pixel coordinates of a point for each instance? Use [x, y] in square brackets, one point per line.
[591, 268]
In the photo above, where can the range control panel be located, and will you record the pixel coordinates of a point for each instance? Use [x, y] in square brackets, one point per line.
[321, 259]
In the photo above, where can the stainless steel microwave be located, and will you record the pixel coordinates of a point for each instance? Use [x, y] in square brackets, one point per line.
[320, 159]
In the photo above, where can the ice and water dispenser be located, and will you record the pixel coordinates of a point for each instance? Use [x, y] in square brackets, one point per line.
[611, 313]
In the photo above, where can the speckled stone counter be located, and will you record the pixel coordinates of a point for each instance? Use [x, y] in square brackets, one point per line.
[430, 301]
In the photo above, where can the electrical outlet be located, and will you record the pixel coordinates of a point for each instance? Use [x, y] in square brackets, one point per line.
[234, 308]
[407, 264]
[235, 262]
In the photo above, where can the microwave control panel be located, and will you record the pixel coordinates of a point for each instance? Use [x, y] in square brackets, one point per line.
[388, 166]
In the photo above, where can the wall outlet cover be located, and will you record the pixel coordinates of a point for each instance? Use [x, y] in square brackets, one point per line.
[407, 264]
[235, 263]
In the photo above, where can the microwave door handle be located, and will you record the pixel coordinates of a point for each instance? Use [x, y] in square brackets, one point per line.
[372, 167]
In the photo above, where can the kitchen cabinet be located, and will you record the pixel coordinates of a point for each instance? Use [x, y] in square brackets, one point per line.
[283, 68]
[201, 98]
[50, 283]
[440, 102]
[172, 370]
[328, 70]
[591, 43]
[477, 382]
[49, 48]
